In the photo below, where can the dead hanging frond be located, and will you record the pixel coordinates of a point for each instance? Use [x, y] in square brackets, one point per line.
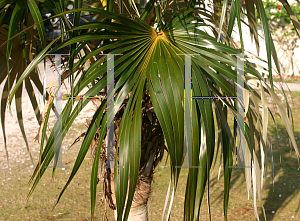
[43, 116]
[77, 140]
[51, 94]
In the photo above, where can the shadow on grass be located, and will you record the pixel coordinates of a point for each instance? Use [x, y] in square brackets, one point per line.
[234, 178]
[284, 199]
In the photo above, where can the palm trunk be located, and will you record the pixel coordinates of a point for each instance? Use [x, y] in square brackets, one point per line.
[136, 213]
[139, 206]
[152, 150]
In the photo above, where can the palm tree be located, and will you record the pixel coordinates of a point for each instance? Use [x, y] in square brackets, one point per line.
[158, 42]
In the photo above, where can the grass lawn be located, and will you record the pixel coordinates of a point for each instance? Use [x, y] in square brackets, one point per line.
[288, 80]
[281, 203]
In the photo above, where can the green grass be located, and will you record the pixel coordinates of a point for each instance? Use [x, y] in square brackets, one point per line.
[284, 200]
[75, 203]
[288, 80]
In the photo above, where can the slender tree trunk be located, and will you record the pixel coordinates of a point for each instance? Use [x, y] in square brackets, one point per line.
[139, 206]
[136, 213]
[152, 151]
